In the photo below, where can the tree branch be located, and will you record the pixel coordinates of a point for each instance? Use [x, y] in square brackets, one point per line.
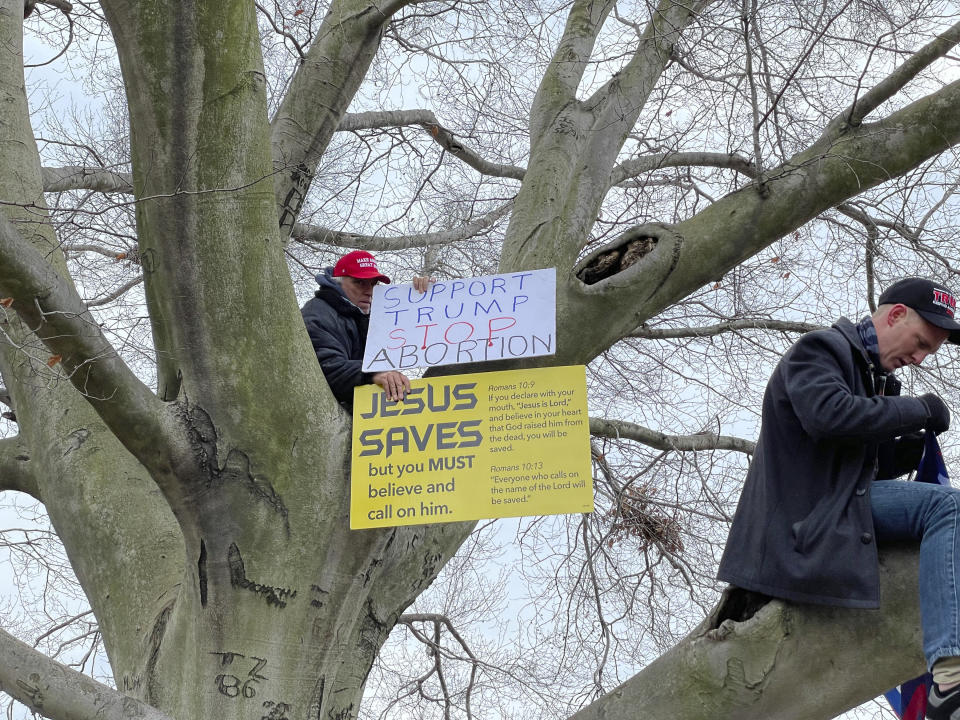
[562, 76]
[870, 249]
[61, 179]
[16, 472]
[62, 5]
[50, 306]
[409, 619]
[654, 51]
[745, 664]
[77, 248]
[617, 429]
[745, 20]
[800, 63]
[61, 693]
[893, 83]
[99, 180]
[575, 143]
[441, 135]
[648, 333]
[328, 236]
[649, 163]
[280, 31]
[699, 250]
[133, 282]
[911, 235]
[318, 96]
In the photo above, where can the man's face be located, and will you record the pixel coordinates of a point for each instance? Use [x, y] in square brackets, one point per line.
[905, 338]
[359, 291]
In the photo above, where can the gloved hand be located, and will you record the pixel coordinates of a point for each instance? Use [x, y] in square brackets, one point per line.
[939, 420]
[900, 456]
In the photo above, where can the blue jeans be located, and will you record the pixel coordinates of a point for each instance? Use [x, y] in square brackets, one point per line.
[931, 514]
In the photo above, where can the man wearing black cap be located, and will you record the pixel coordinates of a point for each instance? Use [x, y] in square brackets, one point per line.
[820, 491]
[337, 321]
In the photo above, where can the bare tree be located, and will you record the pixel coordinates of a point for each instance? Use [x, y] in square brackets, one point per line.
[709, 178]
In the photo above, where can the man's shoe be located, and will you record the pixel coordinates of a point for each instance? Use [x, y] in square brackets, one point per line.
[944, 706]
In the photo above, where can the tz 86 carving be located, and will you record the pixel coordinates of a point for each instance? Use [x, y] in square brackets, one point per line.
[235, 686]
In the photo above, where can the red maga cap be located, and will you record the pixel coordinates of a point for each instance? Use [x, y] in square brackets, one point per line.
[358, 264]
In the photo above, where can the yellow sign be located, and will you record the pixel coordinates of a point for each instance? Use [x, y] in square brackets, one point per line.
[466, 447]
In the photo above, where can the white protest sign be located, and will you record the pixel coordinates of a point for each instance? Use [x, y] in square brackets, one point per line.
[459, 321]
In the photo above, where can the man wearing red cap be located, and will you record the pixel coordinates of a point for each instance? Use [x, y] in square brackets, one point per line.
[820, 492]
[337, 320]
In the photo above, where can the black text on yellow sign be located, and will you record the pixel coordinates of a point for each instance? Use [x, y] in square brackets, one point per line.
[466, 447]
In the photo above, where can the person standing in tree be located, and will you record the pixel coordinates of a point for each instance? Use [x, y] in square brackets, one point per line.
[337, 321]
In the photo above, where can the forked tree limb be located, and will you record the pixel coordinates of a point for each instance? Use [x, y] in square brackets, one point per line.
[51, 307]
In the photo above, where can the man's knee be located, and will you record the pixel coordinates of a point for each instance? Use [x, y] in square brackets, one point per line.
[943, 502]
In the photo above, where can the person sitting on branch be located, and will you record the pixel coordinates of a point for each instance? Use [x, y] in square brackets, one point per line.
[820, 492]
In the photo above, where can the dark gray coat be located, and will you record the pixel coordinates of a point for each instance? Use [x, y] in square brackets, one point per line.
[338, 331]
[803, 530]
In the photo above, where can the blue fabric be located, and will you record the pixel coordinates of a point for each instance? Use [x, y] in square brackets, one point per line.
[910, 701]
[932, 468]
[929, 513]
[868, 336]
[896, 702]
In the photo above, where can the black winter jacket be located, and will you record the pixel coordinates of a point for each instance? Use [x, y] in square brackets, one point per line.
[338, 331]
[803, 530]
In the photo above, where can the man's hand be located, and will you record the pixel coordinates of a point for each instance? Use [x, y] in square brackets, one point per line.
[395, 384]
[939, 420]
[420, 284]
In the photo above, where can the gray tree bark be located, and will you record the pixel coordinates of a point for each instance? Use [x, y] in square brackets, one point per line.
[782, 661]
[53, 690]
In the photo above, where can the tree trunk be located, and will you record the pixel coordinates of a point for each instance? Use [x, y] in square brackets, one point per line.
[252, 598]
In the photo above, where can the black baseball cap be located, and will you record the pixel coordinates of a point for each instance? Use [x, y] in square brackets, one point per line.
[932, 301]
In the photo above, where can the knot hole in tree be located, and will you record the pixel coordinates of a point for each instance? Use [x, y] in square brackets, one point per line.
[623, 252]
[737, 605]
